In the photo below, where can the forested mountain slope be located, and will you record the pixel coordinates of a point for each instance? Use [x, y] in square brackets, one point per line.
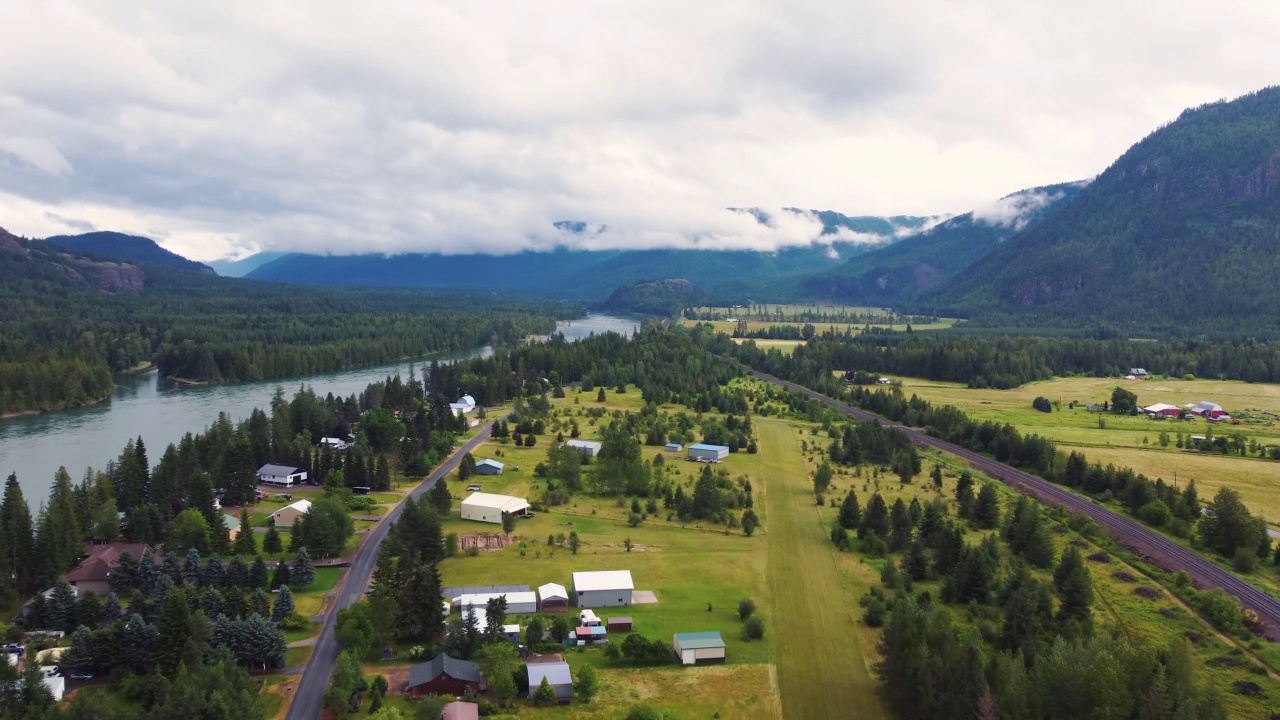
[896, 274]
[1182, 233]
[69, 322]
[594, 274]
[125, 248]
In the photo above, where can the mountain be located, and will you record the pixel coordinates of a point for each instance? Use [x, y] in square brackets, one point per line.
[244, 266]
[1180, 233]
[656, 297]
[29, 266]
[895, 274]
[125, 248]
[594, 274]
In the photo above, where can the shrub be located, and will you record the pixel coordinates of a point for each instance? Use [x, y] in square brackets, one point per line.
[753, 630]
[1155, 513]
[1042, 404]
[746, 609]
[1244, 560]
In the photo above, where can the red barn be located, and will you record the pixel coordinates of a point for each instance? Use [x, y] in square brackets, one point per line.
[444, 675]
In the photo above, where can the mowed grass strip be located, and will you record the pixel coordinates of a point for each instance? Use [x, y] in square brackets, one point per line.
[818, 653]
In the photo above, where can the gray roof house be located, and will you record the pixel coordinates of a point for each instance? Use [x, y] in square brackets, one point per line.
[558, 677]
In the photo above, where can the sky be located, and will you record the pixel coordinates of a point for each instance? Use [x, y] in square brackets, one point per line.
[225, 128]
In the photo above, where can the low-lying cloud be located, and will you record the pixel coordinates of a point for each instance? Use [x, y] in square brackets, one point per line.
[225, 128]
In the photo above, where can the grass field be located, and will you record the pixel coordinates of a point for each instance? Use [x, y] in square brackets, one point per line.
[1134, 441]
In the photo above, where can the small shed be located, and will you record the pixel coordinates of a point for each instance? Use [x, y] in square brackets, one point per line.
[592, 635]
[489, 466]
[553, 598]
[619, 624]
[708, 453]
[443, 675]
[460, 711]
[673, 447]
[699, 647]
[558, 677]
[590, 448]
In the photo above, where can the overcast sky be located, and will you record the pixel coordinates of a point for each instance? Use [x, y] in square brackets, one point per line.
[220, 128]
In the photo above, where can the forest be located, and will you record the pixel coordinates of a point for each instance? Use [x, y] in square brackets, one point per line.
[63, 339]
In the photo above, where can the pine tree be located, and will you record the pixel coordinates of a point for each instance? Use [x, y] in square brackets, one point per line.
[1027, 536]
[59, 609]
[281, 576]
[237, 573]
[111, 610]
[964, 495]
[59, 540]
[213, 574]
[244, 543]
[850, 512]
[875, 521]
[258, 573]
[260, 603]
[916, 562]
[936, 476]
[176, 633]
[441, 500]
[986, 510]
[271, 542]
[302, 574]
[822, 478]
[191, 568]
[284, 606]
[1071, 580]
[210, 602]
[899, 526]
[19, 536]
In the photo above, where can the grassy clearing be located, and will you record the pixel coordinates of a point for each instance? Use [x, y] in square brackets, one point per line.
[786, 347]
[816, 629]
[1134, 441]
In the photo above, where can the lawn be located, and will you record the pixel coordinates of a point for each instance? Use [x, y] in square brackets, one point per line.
[309, 601]
[1134, 441]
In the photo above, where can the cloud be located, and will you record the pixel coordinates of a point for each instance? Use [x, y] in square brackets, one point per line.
[1017, 210]
[229, 127]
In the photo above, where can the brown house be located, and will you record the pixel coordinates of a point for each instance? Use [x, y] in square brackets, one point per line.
[93, 574]
[443, 675]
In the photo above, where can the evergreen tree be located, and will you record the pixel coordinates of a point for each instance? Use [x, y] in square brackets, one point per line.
[191, 568]
[302, 574]
[284, 606]
[282, 576]
[244, 543]
[850, 513]
[60, 537]
[1071, 580]
[822, 478]
[257, 577]
[986, 510]
[964, 495]
[875, 521]
[260, 603]
[1027, 535]
[214, 574]
[237, 573]
[176, 640]
[441, 500]
[899, 526]
[59, 608]
[271, 542]
[916, 562]
[19, 536]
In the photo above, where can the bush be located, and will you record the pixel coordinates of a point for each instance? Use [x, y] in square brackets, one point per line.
[1244, 560]
[753, 630]
[294, 623]
[1155, 513]
[746, 609]
[1042, 404]
[874, 613]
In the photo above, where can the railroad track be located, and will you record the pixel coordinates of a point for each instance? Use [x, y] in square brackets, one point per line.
[1150, 545]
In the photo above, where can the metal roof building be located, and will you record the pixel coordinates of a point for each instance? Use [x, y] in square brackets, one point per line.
[708, 453]
[487, 507]
[603, 588]
[699, 647]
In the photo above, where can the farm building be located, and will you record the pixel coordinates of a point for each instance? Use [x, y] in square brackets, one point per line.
[1207, 409]
[673, 447]
[283, 475]
[619, 624]
[290, 514]
[591, 635]
[1138, 373]
[553, 598]
[333, 443]
[443, 675]
[518, 603]
[1163, 410]
[699, 647]
[487, 507]
[607, 588]
[708, 453]
[590, 447]
[489, 466]
[460, 711]
[558, 677]
[464, 405]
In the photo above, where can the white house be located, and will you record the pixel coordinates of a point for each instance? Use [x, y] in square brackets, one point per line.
[489, 466]
[518, 603]
[283, 475]
[603, 588]
[290, 514]
[333, 443]
[487, 507]
[708, 453]
[590, 447]
[699, 647]
[557, 675]
[464, 405]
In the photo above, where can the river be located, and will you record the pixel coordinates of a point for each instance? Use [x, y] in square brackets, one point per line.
[34, 446]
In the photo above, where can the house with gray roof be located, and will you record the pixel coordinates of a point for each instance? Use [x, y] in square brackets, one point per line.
[443, 675]
[558, 677]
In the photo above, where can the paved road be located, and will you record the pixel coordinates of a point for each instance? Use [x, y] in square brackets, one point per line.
[1152, 546]
[308, 701]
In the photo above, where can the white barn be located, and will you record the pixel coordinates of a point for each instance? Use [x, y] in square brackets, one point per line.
[695, 648]
[590, 447]
[604, 588]
[518, 603]
[708, 453]
[487, 507]
[283, 475]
